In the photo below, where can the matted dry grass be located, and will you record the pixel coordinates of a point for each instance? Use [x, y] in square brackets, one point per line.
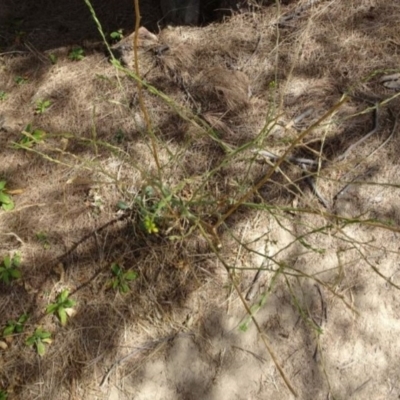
[214, 95]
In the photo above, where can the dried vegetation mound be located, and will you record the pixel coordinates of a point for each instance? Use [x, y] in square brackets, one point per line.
[255, 168]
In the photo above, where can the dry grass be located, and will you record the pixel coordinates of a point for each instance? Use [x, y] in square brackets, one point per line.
[215, 95]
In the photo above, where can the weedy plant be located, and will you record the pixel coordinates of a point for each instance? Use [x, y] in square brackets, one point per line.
[43, 239]
[3, 95]
[6, 201]
[39, 339]
[121, 278]
[62, 307]
[20, 80]
[9, 268]
[14, 327]
[161, 208]
[116, 35]
[42, 106]
[76, 54]
[31, 137]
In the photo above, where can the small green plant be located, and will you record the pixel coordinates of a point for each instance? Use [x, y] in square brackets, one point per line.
[9, 268]
[20, 80]
[3, 95]
[3, 395]
[119, 136]
[158, 208]
[43, 239]
[53, 58]
[42, 106]
[121, 278]
[39, 339]
[61, 307]
[117, 35]
[31, 136]
[6, 202]
[76, 54]
[17, 326]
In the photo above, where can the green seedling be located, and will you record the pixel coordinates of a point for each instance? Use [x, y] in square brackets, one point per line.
[76, 54]
[9, 268]
[43, 239]
[61, 307]
[39, 339]
[6, 202]
[42, 106]
[116, 35]
[119, 136]
[53, 58]
[3, 95]
[31, 137]
[3, 395]
[20, 80]
[156, 209]
[17, 326]
[121, 278]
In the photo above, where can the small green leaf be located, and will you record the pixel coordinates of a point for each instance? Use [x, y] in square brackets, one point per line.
[69, 303]
[114, 283]
[116, 269]
[124, 288]
[7, 261]
[17, 260]
[2, 185]
[41, 349]
[130, 275]
[9, 330]
[63, 316]
[31, 340]
[44, 335]
[63, 296]
[14, 273]
[122, 205]
[51, 308]
[7, 207]
[23, 318]
[5, 198]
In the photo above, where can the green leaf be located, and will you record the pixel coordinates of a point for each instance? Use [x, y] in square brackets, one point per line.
[116, 269]
[41, 349]
[17, 259]
[5, 277]
[23, 318]
[7, 261]
[44, 335]
[31, 340]
[69, 303]
[19, 328]
[5, 198]
[2, 185]
[7, 207]
[51, 308]
[122, 205]
[115, 283]
[63, 316]
[9, 330]
[124, 288]
[130, 275]
[15, 273]
[63, 296]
